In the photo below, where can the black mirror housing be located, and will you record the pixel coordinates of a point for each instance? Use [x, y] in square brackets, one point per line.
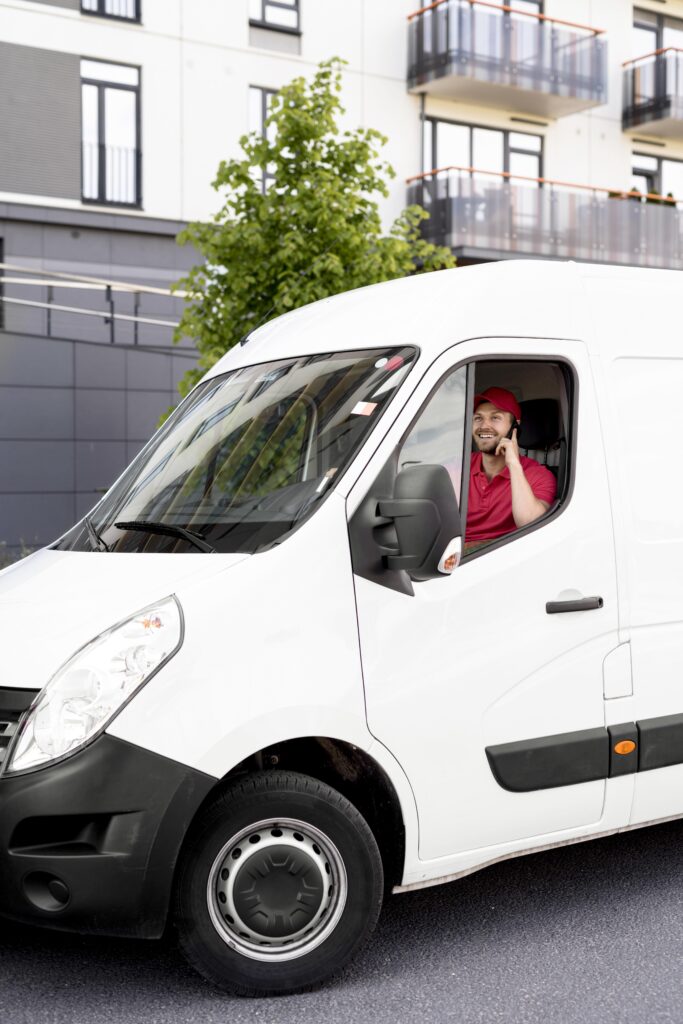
[426, 517]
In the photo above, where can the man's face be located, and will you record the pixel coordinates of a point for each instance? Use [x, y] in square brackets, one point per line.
[489, 426]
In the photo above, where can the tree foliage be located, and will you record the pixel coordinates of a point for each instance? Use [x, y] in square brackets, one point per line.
[313, 232]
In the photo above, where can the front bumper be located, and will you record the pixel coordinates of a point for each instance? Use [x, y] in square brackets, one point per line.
[91, 844]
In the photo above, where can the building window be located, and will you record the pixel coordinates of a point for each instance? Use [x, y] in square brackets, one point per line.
[110, 111]
[281, 15]
[127, 10]
[656, 175]
[449, 144]
[260, 100]
[534, 7]
[654, 31]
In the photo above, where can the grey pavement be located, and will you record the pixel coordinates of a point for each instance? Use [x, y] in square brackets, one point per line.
[588, 933]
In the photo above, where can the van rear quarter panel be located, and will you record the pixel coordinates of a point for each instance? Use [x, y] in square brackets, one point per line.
[638, 358]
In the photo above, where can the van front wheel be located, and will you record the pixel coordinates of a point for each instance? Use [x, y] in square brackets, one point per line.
[279, 886]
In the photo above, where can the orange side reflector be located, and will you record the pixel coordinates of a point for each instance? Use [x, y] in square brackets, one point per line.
[624, 747]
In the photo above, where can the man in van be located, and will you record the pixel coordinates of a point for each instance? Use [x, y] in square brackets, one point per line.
[507, 490]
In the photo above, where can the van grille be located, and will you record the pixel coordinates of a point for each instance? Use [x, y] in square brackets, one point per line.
[13, 703]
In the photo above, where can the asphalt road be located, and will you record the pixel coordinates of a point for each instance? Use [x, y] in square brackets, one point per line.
[588, 933]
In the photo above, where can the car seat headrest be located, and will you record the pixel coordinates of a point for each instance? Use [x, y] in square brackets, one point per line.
[540, 424]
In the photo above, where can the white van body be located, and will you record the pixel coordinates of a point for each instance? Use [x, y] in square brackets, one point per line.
[430, 687]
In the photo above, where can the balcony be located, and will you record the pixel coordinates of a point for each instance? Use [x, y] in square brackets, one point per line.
[485, 53]
[484, 215]
[653, 93]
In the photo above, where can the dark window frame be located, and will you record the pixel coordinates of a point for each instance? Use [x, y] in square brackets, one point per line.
[538, 3]
[654, 176]
[263, 22]
[266, 92]
[507, 148]
[102, 85]
[102, 13]
[655, 24]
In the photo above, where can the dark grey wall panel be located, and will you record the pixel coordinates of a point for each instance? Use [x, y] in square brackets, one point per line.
[37, 521]
[145, 371]
[98, 463]
[133, 448]
[98, 366]
[73, 412]
[62, 243]
[40, 122]
[100, 414]
[37, 467]
[36, 361]
[179, 367]
[144, 410]
[73, 5]
[83, 503]
[35, 413]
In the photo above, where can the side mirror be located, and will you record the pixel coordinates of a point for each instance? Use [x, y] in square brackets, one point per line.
[427, 522]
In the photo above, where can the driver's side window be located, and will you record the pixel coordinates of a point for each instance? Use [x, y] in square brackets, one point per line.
[475, 414]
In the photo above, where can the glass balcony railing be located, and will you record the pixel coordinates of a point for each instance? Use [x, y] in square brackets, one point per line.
[493, 54]
[489, 215]
[653, 92]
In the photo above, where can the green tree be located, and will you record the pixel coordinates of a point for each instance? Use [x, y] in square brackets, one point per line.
[313, 232]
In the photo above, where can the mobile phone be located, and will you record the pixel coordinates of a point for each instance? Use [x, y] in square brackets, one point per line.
[515, 426]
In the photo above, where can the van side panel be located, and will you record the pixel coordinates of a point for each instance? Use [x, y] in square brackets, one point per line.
[641, 365]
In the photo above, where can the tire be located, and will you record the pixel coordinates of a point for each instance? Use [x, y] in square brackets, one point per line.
[279, 886]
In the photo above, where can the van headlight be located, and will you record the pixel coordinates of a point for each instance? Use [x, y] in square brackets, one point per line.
[85, 693]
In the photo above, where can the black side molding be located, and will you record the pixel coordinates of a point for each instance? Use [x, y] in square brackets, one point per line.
[661, 742]
[550, 761]
[568, 758]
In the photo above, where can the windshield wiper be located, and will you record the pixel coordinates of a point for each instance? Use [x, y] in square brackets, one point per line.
[168, 530]
[96, 542]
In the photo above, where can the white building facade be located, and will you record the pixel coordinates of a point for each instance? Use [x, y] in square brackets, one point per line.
[524, 127]
[177, 80]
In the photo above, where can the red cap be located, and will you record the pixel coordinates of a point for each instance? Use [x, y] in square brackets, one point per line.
[502, 399]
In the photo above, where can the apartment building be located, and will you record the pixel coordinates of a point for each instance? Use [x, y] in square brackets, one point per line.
[543, 128]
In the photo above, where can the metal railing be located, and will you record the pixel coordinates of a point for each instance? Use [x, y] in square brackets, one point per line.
[496, 43]
[653, 86]
[111, 174]
[78, 307]
[495, 213]
[128, 10]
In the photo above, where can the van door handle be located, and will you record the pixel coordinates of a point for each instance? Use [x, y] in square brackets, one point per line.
[584, 604]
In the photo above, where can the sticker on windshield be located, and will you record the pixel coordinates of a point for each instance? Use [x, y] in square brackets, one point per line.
[364, 409]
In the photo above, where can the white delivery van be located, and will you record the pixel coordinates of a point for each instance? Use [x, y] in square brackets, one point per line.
[264, 684]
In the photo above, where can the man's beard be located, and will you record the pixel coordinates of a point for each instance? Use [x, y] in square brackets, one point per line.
[487, 447]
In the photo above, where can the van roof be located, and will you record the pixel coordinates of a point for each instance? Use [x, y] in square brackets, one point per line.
[510, 298]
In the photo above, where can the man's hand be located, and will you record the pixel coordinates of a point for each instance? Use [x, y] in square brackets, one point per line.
[510, 449]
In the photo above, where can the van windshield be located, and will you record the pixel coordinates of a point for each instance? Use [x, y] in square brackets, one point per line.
[246, 456]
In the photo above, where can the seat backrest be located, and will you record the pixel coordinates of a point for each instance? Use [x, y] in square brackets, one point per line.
[540, 424]
[540, 435]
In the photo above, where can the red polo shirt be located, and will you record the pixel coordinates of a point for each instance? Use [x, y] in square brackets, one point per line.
[489, 504]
